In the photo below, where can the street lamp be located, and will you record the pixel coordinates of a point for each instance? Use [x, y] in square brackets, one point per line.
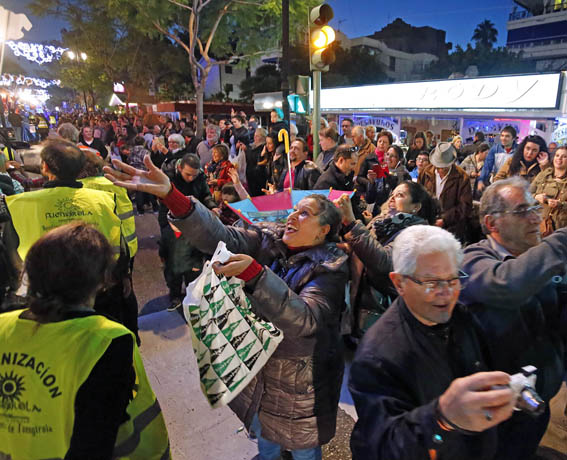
[79, 56]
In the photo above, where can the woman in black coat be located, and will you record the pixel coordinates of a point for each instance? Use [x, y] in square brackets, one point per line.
[295, 277]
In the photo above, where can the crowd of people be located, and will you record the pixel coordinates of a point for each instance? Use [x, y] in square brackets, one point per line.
[435, 268]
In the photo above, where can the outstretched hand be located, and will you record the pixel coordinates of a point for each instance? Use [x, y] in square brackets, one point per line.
[153, 181]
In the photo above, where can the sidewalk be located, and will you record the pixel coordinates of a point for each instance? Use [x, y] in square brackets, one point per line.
[196, 431]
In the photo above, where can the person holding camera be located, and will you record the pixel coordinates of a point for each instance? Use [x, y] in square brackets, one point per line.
[421, 379]
[517, 289]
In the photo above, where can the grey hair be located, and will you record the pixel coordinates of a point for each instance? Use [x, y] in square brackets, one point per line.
[360, 130]
[69, 132]
[177, 138]
[261, 132]
[492, 202]
[420, 240]
[293, 130]
[216, 129]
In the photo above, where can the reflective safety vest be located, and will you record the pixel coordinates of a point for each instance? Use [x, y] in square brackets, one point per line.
[9, 155]
[124, 208]
[35, 213]
[42, 123]
[42, 367]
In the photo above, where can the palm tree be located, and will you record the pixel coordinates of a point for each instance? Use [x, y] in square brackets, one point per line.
[485, 34]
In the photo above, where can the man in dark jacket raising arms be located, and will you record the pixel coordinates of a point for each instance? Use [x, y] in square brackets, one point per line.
[517, 291]
[419, 379]
[181, 260]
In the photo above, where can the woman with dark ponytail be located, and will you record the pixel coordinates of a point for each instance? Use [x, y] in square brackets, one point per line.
[77, 367]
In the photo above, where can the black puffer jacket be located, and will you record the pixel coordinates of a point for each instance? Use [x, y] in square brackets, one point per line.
[297, 392]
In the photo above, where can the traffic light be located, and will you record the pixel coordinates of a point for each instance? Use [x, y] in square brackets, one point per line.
[320, 37]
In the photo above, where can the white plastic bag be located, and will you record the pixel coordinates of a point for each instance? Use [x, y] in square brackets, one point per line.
[230, 342]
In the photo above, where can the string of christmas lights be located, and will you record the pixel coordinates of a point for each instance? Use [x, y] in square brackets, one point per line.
[21, 80]
[36, 52]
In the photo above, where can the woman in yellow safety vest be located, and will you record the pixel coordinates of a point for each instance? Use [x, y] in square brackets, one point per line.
[72, 383]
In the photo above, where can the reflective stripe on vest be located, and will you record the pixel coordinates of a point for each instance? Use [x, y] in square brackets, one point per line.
[144, 435]
[44, 374]
[35, 213]
[124, 208]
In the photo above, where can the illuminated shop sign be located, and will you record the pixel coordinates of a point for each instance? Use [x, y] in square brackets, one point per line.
[514, 92]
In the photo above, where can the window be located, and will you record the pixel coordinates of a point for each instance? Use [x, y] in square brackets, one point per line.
[228, 88]
[227, 69]
[392, 63]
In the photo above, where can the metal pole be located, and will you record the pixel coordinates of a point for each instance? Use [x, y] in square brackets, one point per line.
[285, 59]
[316, 120]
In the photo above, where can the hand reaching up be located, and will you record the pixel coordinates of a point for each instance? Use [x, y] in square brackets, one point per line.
[153, 181]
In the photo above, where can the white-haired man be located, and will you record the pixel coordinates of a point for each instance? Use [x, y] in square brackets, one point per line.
[205, 147]
[419, 380]
[176, 143]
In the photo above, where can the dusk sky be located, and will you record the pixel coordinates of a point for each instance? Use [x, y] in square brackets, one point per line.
[360, 17]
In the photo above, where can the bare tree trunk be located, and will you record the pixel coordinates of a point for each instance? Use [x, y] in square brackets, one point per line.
[200, 84]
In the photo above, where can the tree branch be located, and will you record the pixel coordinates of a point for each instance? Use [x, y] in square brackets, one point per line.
[216, 25]
[187, 7]
[242, 2]
[172, 36]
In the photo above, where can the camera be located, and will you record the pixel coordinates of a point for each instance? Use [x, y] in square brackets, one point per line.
[523, 384]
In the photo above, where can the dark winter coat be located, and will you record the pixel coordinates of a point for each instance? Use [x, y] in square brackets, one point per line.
[521, 305]
[401, 368]
[334, 177]
[256, 175]
[521, 301]
[370, 160]
[455, 199]
[297, 392]
[306, 175]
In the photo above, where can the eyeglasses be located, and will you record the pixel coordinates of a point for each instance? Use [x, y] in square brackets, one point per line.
[437, 285]
[524, 212]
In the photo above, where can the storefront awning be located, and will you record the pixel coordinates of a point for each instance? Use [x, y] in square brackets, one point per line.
[525, 95]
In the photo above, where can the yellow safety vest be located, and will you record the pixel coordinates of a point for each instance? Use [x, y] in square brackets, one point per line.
[7, 154]
[42, 124]
[124, 208]
[35, 213]
[42, 367]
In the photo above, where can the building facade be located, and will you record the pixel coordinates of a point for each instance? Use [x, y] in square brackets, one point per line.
[538, 29]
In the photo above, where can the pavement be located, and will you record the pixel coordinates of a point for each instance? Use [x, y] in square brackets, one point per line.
[198, 432]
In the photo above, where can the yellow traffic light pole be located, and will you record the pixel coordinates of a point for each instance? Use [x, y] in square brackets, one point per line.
[320, 56]
[316, 119]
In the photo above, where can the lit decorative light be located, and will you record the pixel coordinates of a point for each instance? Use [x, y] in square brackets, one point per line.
[71, 54]
[84, 56]
[36, 52]
[33, 96]
[21, 80]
